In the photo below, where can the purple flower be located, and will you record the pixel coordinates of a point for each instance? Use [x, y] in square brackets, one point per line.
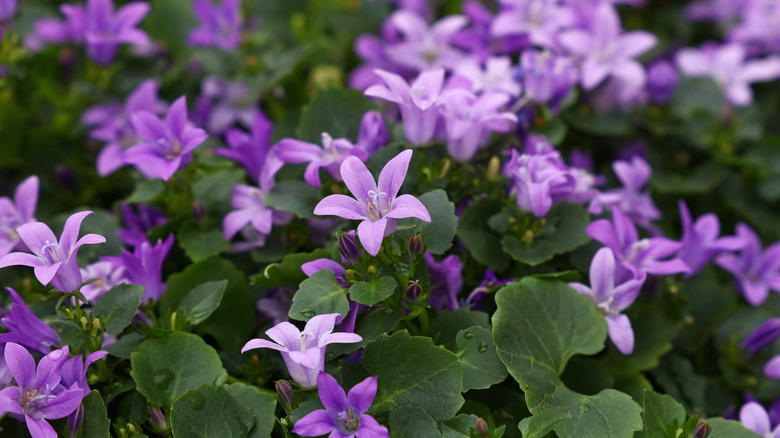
[54, 261]
[304, 352]
[422, 48]
[38, 395]
[611, 298]
[729, 68]
[662, 80]
[7, 9]
[51, 30]
[248, 200]
[606, 51]
[700, 241]
[630, 198]
[330, 156]
[536, 179]
[344, 415]
[167, 144]
[498, 74]
[107, 275]
[446, 282]
[219, 25]
[144, 266]
[316, 265]
[762, 336]
[17, 212]
[754, 417]
[546, 77]
[74, 375]
[105, 31]
[234, 104]
[772, 368]
[252, 151]
[538, 20]
[418, 103]
[757, 27]
[376, 205]
[112, 124]
[755, 270]
[138, 224]
[373, 132]
[27, 329]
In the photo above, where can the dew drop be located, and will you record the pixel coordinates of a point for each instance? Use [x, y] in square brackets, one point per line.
[584, 407]
[308, 313]
[468, 335]
[162, 379]
[196, 401]
[482, 347]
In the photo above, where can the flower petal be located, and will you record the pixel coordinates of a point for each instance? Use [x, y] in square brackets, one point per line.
[20, 258]
[9, 400]
[393, 174]
[36, 235]
[358, 179]
[315, 423]
[286, 335]
[408, 206]
[261, 343]
[754, 417]
[342, 206]
[621, 333]
[21, 363]
[362, 395]
[26, 197]
[64, 404]
[370, 428]
[39, 428]
[371, 235]
[70, 233]
[332, 395]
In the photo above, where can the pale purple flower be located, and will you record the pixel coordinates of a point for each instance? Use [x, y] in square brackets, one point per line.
[7, 9]
[662, 80]
[700, 240]
[423, 48]
[547, 78]
[52, 30]
[477, 39]
[54, 261]
[220, 25]
[344, 415]
[144, 266]
[730, 69]
[24, 328]
[234, 104]
[105, 31]
[377, 206]
[253, 151]
[762, 336]
[38, 395]
[373, 132]
[772, 368]
[606, 51]
[715, 10]
[754, 417]
[537, 179]
[756, 271]
[759, 26]
[111, 124]
[330, 155]
[304, 351]
[612, 297]
[497, 74]
[167, 144]
[74, 375]
[248, 200]
[138, 224]
[446, 281]
[418, 103]
[107, 275]
[15, 213]
[539, 20]
[634, 175]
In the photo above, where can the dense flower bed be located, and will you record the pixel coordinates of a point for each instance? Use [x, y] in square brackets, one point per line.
[448, 218]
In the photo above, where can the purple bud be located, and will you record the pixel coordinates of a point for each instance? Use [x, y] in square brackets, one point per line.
[415, 246]
[76, 418]
[285, 391]
[158, 418]
[373, 132]
[198, 210]
[764, 335]
[702, 430]
[413, 291]
[65, 175]
[662, 80]
[481, 426]
[349, 248]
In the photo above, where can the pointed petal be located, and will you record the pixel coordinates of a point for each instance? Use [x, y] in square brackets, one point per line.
[49, 370]
[21, 364]
[315, 423]
[286, 335]
[39, 428]
[754, 417]
[602, 273]
[341, 338]
[9, 400]
[362, 395]
[408, 206]
[64, 404]
[26, 197]
[393, 174]
[370, 428]
[371, 235]
[308, 358]
[321, 326]
[70, 233]
[342, 206]
[358, 179]
[261, 343]
[148, 126]
[36, 235]
[332, 395]
[45, 273]
[295, 151]
[621, 333]
[20, 259]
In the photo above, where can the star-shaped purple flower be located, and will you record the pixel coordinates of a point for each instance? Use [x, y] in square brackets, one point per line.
[756, 271]
[15, 213]
[376, 205]
[105, 31]
[220, 25]
[330, 155]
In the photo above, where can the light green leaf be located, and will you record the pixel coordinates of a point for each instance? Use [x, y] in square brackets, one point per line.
[294, 196]
[260, 404]
[318, 295]
[117, 307]
[372, 292]
[201, 302]
[209, 411]
[662, 416]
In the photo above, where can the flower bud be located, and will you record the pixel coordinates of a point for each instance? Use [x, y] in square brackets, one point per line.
[158, 418]
[349, 248]
[413, 291]
[198, 210]
[702, 430]
[415, 246]
[285, 391]
[662, 80]
[373, 132]
[482, 427]
[762, 336]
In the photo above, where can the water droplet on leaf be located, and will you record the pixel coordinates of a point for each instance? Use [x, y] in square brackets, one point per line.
[196, 401]
[482, 347]
[468, 335]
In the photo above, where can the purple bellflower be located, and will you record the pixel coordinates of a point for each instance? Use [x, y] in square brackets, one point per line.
[220, 25]
[144, 266]
[422, 48]
[662, 80]
[489, 282]
[234, 104]
[612, 298]
[17, 212]
[316, 265]
[498, 74]
[51, 30]
[446, 282]
[253, 151]
[344, 415]
[418, 104]
[756, 271]
[105, 31]
[700, 241]
[54, 261]
[304, 352]
[106, 275]
[729, 68]
[754, 417]
[630, 198]
[330, 156]
[757, 28]
[138, 224]
[476, 38]
[772, 368]
[27, 329]
[74, 375]
[248, 200]
[38, 395]
[373, 132]
[540, 21]
[7, 9]
[537, 179]
[167, 144]
[546, 78]
[762, 336]
[377, 206]
[606, 51]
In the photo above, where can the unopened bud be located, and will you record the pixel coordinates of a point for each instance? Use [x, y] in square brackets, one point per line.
[349, 248]
[415, 245]
[158, 418]
[413, 291]
[482, 427]
[285, 391]
[198, 210]
[702, 430]
[494, 168]
[373, 132]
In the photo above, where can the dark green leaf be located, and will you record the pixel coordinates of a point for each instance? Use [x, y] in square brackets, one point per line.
[319, 294]
[437, 234]
[475, 233]
[662, 416]
[539, 425]
[372, 292]
[722, 428]
[209, 411]
[410, 422]
[337, 112]
[96, 423]
[294, 196]
[260, 404]
[201, 302]
[117, 307]
[370, 327]
[288, 272]
[147, 191]
[447, 325]
[564, 232]
[200, 245]
[481, 366]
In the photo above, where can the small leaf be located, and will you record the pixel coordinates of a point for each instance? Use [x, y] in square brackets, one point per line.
[147, 191]
[295, 197]
[96, 423]
[337, 112]
[260, 404]
[437, 234]
[288, 272]
[199, 245]
[541, 424]
[372, 292]
[318, 295]
[481, 366]
[662, 416]
[201, 302]
[209, 411]
[117, 307]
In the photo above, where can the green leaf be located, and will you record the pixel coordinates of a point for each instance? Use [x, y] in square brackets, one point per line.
[702, 180]
[481, 366]
[260, 404]
[482, 241]
[607, 125]
[294, 196]
[538, 326]
[209, 411]
[232, 321]
[201, 302]
[165, 368]
[541, 424]
[447, 325]
[288, 272]
[437, 234]
[147, 191]
[370, 327]
[413, 372]
[460, 426]
[96, 423]
[117, 307]
[697, 98]
[564, 231]
[216, 188]
[337, 112]
[410, 422]
[200, 245]
[319, 294]
[722, 428]
[372, 292]
[662, 416]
